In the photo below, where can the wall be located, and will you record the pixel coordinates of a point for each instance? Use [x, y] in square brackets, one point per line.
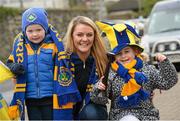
[11, 26]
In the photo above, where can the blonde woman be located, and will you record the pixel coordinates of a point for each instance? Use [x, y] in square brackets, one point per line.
[88, 60]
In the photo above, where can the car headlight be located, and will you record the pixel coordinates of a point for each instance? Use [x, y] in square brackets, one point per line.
[161, 48]
[173, 46]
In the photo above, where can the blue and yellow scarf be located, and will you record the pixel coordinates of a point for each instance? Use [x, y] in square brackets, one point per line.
[132, 92]
[73, 59]
[65, 91]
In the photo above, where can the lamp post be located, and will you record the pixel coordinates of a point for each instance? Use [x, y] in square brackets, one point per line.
[140, 5]
[21, 4]
[102, 9]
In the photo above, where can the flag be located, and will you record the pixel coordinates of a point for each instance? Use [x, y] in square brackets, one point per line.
[5, 73]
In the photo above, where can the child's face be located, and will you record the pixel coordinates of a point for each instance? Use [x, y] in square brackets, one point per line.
[35, 33]
[126, 55]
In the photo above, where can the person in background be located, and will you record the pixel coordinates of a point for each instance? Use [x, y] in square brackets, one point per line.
[39, 64]
[88, 60]
[131, 80]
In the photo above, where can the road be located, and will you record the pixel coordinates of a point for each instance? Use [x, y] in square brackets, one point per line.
[168, 102]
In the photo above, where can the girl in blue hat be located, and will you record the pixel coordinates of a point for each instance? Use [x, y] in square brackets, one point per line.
[43, 81]
[130, 80]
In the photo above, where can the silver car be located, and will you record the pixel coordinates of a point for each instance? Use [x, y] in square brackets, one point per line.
[162, 31]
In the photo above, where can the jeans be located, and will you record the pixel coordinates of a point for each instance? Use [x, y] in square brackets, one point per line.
[93, 111]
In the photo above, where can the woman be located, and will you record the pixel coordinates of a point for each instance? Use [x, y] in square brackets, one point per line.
[88, 60]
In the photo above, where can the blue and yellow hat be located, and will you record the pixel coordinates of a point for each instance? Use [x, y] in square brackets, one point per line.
[34, 16]
[119, 36]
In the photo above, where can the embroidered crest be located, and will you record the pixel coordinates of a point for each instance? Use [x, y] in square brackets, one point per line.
[64, 78]
[31, 17]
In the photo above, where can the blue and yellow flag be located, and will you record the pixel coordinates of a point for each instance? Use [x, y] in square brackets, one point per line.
[3, 109]
[5, 73]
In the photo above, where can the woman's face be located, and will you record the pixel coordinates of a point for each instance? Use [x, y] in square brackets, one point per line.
[126, 55]
[35, 33]
[83, 38]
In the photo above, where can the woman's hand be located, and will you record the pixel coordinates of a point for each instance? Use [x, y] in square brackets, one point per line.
[100, 85]
[160, 57]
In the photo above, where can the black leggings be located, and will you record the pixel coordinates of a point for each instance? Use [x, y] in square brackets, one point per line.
[40, 110]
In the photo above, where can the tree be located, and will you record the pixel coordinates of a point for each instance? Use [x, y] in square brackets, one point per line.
[147, 6]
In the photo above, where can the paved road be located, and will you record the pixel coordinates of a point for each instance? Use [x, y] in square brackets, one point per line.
[168, 102]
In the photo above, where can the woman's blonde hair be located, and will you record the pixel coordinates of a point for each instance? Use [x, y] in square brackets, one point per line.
[98, 50]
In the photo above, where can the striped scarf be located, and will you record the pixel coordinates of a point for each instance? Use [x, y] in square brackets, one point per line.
[132, 92]
[92, 78]
[64, 90]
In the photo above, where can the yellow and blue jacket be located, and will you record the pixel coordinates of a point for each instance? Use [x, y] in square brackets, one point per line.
[47, 71]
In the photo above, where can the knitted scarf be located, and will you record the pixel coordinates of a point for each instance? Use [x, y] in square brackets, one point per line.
[132, 92]
[19, 55]
[93, 75]
[65, 90]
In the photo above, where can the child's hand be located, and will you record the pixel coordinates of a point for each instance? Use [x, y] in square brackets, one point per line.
[160, 57]
[17, 69]
[101, 86]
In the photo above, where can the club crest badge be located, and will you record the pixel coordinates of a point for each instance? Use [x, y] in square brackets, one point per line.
[32, 17]
[64, 78]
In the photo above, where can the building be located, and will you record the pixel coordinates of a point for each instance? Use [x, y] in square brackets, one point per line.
[55, 4]
[125, 9]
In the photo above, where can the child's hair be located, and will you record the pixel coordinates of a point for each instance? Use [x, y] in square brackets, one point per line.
[136, 49]
[34, 16]
[144, 56]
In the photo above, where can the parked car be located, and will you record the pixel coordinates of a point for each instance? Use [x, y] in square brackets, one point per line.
[162, 31]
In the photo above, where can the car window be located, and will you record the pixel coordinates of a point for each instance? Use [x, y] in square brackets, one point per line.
[164, 21]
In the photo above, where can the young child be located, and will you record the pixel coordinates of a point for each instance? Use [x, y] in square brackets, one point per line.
[131, 80]
[44, 82]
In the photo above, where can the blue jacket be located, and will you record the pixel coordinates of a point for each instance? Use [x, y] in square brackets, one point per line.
[65, 92]
[40, 69]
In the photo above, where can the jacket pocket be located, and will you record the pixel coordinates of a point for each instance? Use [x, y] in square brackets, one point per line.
[46, 56]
